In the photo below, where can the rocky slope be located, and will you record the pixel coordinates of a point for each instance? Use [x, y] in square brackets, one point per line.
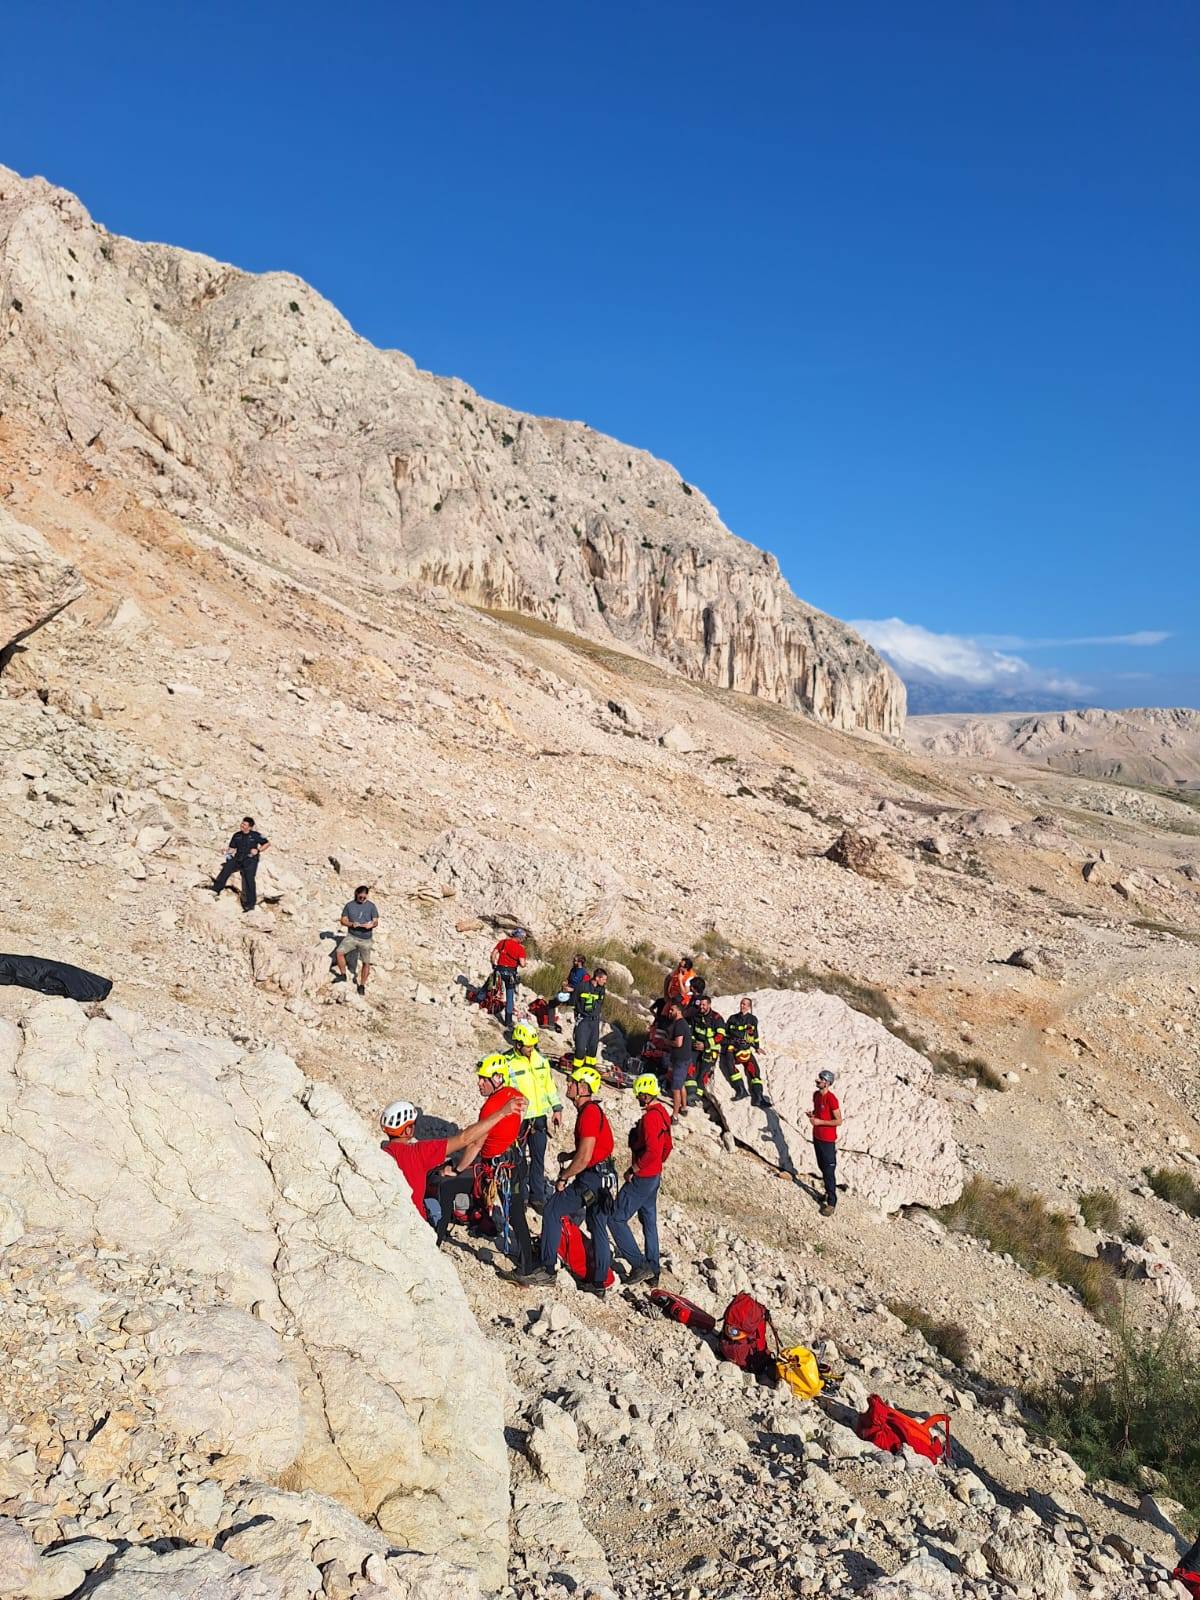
[248, 400]
[1156, 746]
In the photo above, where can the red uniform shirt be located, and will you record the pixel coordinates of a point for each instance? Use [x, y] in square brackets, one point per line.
[591, 1123]
[508, 953]
[650, 1141]
[825, 1104]
[417, 1158]
[507, 1129]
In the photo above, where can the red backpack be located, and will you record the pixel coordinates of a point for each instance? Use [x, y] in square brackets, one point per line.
[1188, 1571]
[743, 1336]
[575, 1253]
[882, 1425]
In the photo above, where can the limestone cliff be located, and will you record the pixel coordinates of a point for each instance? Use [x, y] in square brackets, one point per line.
[251, 400]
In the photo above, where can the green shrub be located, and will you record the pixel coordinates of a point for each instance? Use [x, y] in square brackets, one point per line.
[947, 1338]
[1142, 1411]
[1101, 1210]
[1178, 1186]
[1019, 1224]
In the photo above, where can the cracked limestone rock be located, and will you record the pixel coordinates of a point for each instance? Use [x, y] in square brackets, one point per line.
[344, 1340]
[896, 1146]
[35, 584]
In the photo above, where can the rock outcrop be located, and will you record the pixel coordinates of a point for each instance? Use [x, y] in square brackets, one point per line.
[35, 584]
[868, 856]
[897, 1145]
[252, 400]
[334, 1343]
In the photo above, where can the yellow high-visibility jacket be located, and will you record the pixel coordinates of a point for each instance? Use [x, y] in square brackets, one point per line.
[532, 1076]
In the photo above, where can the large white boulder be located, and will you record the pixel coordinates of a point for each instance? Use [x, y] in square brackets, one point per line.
[35, 584]
[896, 1146]
[340, 1346]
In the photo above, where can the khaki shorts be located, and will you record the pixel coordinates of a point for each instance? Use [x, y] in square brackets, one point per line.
[354, 941]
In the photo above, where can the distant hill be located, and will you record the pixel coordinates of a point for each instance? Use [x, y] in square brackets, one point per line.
[1154, 746]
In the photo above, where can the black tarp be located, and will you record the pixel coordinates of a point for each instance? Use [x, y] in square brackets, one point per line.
[54, 977]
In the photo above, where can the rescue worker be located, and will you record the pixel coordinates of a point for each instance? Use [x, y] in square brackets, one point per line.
[678, 986]
[508, 957]
[577, 975]
[492, 1169]
[826, 1119]
[740, 1055]
[585, 1188]
[588, 1004]
[419, 1158]
[650, 1144]
[242, 856]
[529, 1071]
[708, 1036]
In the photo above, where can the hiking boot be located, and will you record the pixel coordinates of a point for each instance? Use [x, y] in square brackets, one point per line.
[593, 1288]
[538, 1278]
[641, 1274]
[827, 1210]
[339, 977]
[361, 987]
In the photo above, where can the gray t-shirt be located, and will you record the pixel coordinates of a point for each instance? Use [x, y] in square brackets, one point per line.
[358, 912]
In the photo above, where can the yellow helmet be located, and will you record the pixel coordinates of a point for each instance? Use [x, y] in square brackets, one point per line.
[646, 1083]
[493, 1067]
[524, 1034]
[587, 1075]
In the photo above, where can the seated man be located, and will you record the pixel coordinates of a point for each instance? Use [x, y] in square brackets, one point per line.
[419, 1158]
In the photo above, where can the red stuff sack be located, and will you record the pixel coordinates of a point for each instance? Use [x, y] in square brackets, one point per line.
[743, 1337]
[681, 1310]
[888, 1429]
[575, 1253]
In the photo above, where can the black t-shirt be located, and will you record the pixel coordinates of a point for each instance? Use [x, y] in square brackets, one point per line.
[679, 1055]
[242, 843]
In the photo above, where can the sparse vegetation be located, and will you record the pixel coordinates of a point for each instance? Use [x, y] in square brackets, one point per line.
[947, 1338]
[1176, 1185]
[1018, 1223]
[1101, 1210]
[1142, 1412]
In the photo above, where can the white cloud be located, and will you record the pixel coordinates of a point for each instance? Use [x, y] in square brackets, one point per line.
[955, 660]
[1012, 641]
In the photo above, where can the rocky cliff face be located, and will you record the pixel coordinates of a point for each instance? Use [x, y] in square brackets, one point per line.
[250, 400]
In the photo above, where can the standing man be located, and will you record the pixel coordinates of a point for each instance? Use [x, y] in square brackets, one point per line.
[708, 1037]
[418, 1158]
[508, 957]
[529, 1071]
[588, 1004]
[360, 918]
[650, 1142]
[679, 1055]
[242, 856]
[577, 974]
[678, 986]
[740, 1055]
[826, 1119]
[583, 1189]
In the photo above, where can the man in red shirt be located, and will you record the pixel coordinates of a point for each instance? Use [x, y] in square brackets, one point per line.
[650, 1142]
[480, 1165]
[418, 1158]
[583, 1188]
[826, 1119]
[508, 957]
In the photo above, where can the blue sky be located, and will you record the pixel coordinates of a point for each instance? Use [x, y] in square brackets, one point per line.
[909, 290]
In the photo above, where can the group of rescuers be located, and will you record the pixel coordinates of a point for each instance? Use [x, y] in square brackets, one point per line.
[499, 1162]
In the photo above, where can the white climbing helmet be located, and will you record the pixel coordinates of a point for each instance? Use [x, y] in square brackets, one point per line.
[396, 1116]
